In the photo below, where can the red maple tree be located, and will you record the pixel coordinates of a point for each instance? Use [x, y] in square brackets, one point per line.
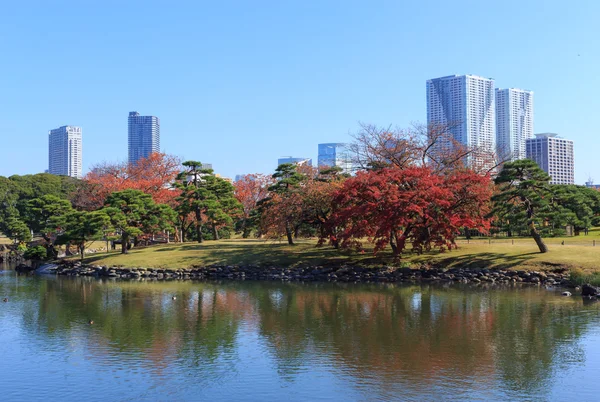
[153, 175]
[414, 206]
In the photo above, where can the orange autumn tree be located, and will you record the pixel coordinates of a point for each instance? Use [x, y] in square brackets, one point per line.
[153, 175]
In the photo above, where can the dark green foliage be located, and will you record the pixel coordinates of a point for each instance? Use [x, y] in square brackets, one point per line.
[287, 178]
[16, 192]
[133, 213]
[80, 227]
[36, 253]
[205, 197]
[525, 197]
[43, 215]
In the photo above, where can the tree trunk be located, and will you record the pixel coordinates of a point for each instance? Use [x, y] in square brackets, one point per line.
[538, 239]
[124, 241]
[81, 250]
[215, 232]
[199, 226]
[288, 233]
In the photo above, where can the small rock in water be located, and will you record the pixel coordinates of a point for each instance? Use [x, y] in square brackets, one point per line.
[174, 298]
[566, 293]
[5, 299]
[590, 291]
[91, 322]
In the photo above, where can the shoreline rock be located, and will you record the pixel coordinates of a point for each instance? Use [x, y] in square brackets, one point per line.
[383, 274]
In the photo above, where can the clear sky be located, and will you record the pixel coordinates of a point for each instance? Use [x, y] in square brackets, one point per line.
[241, 83]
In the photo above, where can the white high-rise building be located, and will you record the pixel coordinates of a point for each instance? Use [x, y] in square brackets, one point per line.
[65, 151]
[554, 155]
[465, 104]
[514, 122]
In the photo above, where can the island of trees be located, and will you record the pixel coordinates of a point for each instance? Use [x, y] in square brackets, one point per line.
[406, 196]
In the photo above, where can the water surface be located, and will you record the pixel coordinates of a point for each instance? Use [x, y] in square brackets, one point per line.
[273, 341]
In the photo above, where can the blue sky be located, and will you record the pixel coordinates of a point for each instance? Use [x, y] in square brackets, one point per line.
[241, 83]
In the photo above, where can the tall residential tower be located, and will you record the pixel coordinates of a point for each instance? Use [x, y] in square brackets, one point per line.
[143, 135]
[514, 122]
[65, 151]
[465, 105]
[554, 155]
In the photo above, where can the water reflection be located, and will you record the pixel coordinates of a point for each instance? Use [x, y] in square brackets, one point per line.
[238, 339]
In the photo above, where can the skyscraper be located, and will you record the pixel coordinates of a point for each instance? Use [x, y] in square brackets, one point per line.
[554, 155]
[143, 135]
[335, 155]
[65, 151]
[290, 159]
[465, 104]
[514, 122]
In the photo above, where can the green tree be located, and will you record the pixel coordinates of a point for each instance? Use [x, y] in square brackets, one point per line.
[525, 192]
[80, 227]
[282, 210]
[133, 213]
[16, 230]
[220, 213]
[42, 215]
[581, 203]
[196, 195]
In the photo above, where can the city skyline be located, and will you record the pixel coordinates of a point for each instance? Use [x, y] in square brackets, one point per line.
[242, 91]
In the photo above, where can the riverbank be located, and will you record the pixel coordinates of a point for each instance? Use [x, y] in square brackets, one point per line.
[559, 277]
[478, 261]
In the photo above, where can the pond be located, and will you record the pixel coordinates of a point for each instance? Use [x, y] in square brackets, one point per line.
[268, 341]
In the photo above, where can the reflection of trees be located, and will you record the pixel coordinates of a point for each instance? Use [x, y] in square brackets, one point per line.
[387, 335]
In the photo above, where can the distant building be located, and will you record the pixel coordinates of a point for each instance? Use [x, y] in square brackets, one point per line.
[465, 104]
[335, 155]
[554, 155]
[297, 161]
[65, 151]
[514, 122]
[590, 184]
[143, 136]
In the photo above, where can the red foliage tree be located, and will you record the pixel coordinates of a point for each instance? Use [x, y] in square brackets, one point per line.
[414, 205]
[249, 190]
[152, 175]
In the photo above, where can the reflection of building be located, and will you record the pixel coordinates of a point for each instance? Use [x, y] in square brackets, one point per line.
[554, 155]
[335, 155]
[465, 104]
[65, 151]
[143, 136]
[297, 161]
[514, 122]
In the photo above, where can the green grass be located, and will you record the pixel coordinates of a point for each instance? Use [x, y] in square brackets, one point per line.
[523, 254]
[578, 277]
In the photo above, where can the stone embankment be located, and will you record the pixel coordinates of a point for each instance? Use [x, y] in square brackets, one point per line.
[327, 274]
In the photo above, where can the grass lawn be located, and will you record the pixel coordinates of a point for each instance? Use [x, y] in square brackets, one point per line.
[523, 254]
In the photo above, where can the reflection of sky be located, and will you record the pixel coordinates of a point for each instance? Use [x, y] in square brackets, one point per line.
[299, 346]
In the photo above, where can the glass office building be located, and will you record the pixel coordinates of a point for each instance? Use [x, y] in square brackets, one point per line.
[335, 155]
[143, 136]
